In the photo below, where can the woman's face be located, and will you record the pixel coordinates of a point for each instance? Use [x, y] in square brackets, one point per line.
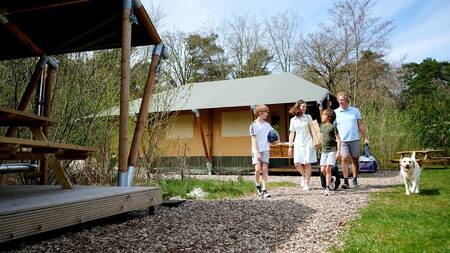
[303, 108]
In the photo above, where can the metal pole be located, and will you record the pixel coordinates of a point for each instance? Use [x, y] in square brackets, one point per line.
[124, 93]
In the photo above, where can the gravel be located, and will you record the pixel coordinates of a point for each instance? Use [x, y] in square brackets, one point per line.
[290, 221]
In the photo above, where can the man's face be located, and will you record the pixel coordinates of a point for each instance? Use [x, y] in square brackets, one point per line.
[343, 102]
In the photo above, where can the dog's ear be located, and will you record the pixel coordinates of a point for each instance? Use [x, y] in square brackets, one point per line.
[413, 156]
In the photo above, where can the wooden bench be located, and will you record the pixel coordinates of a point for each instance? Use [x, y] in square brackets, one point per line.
[39, 148]
[424, 157]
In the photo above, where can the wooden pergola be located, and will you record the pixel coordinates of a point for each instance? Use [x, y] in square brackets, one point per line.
[42, 28]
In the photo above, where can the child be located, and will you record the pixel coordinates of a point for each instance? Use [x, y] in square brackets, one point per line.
[331, 144]
[259, 129]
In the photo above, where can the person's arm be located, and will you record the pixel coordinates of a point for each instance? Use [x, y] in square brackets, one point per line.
[291, 142]
[338, 141]
[362, 129]
[255, 147]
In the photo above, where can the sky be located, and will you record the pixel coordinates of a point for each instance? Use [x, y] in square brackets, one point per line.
[421, 28]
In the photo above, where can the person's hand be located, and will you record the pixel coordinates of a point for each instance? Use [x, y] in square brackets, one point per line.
[338, 155]
[259, 156]
[290, 151]
[366, 141]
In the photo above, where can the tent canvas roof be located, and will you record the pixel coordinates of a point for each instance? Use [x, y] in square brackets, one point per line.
[270, 89]
[66, 26]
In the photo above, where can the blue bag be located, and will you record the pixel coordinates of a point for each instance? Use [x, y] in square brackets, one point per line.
[367, 162]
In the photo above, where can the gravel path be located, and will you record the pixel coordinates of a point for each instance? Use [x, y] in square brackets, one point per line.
[289, 221]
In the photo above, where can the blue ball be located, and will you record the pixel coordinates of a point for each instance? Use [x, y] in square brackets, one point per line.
[272, 136]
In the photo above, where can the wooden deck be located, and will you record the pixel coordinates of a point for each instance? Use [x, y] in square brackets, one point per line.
[32, 209]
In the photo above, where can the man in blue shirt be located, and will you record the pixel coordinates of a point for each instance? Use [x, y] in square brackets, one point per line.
[349, 124]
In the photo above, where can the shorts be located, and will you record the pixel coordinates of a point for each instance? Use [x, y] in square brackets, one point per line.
[350, 148]
[328, 158]
[264, 155]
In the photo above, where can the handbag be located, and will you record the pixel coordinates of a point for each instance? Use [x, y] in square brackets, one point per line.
[314, 129]
[367, 162]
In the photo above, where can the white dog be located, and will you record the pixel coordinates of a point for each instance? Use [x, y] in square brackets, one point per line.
[410, 172]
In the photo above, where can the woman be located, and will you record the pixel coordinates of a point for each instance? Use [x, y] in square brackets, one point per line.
[304, 151]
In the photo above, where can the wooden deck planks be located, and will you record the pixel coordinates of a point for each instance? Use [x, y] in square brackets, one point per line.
[29, 210]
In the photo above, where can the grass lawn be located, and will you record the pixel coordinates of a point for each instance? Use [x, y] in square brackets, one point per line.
[216, 189]
[394, 222]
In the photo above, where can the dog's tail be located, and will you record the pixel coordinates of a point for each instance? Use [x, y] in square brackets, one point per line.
[413, 156]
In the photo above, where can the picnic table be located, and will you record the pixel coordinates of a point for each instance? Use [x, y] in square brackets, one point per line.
[425, 157]
[38, 148]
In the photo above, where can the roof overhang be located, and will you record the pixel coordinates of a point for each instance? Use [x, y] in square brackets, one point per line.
[67, 26]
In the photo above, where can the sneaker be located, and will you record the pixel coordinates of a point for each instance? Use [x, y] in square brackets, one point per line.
[355, 183]
[306, 188]
[333, 181]
[259, 191]
[345, 185]
[326, 192]
[265, 194]
[302, 182]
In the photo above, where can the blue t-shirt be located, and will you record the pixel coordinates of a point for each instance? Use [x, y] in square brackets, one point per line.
[347, 123]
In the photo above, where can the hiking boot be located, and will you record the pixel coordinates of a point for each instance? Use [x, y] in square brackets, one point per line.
[259, 191]
[326, 192]
[265, 194]
[355, 183]
[345, 184]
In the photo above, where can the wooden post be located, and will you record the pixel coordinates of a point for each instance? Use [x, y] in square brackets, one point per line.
[143, 111]
[22, 37]
[28, 93]
[124, 93]
[47, 109]
[211, 134]
[205, 148]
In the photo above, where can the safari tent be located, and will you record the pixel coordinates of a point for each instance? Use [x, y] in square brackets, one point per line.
[224, 114]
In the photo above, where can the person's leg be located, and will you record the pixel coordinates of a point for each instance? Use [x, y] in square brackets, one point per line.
[265, 175]
[307, 173]
[265, 178]
[258, 177]
[345, 153]
[328, 175]
[354, 152]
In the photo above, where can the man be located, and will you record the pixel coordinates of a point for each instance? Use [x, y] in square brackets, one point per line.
[349, 124]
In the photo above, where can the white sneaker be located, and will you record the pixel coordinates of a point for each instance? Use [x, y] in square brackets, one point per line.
[302, 181]
[326, 192]
[306, 187]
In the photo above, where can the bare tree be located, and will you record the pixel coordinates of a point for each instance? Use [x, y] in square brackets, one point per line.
[322, 53]
[360, 32]
[245, 47]
[176, 69]
[282, 32]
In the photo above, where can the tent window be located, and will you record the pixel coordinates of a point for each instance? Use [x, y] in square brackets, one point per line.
[236, 124]
[183, 128]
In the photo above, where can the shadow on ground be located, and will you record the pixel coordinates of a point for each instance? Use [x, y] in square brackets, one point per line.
[245, 225]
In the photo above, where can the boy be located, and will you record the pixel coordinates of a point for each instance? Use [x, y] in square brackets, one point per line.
[259, 129]
[330, 147]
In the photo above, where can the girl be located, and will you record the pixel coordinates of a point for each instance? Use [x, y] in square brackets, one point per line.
[331, 144]
[304, 151]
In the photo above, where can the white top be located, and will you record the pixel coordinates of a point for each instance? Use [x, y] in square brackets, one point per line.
[299, 125]
[260, 129]
[347, 123]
